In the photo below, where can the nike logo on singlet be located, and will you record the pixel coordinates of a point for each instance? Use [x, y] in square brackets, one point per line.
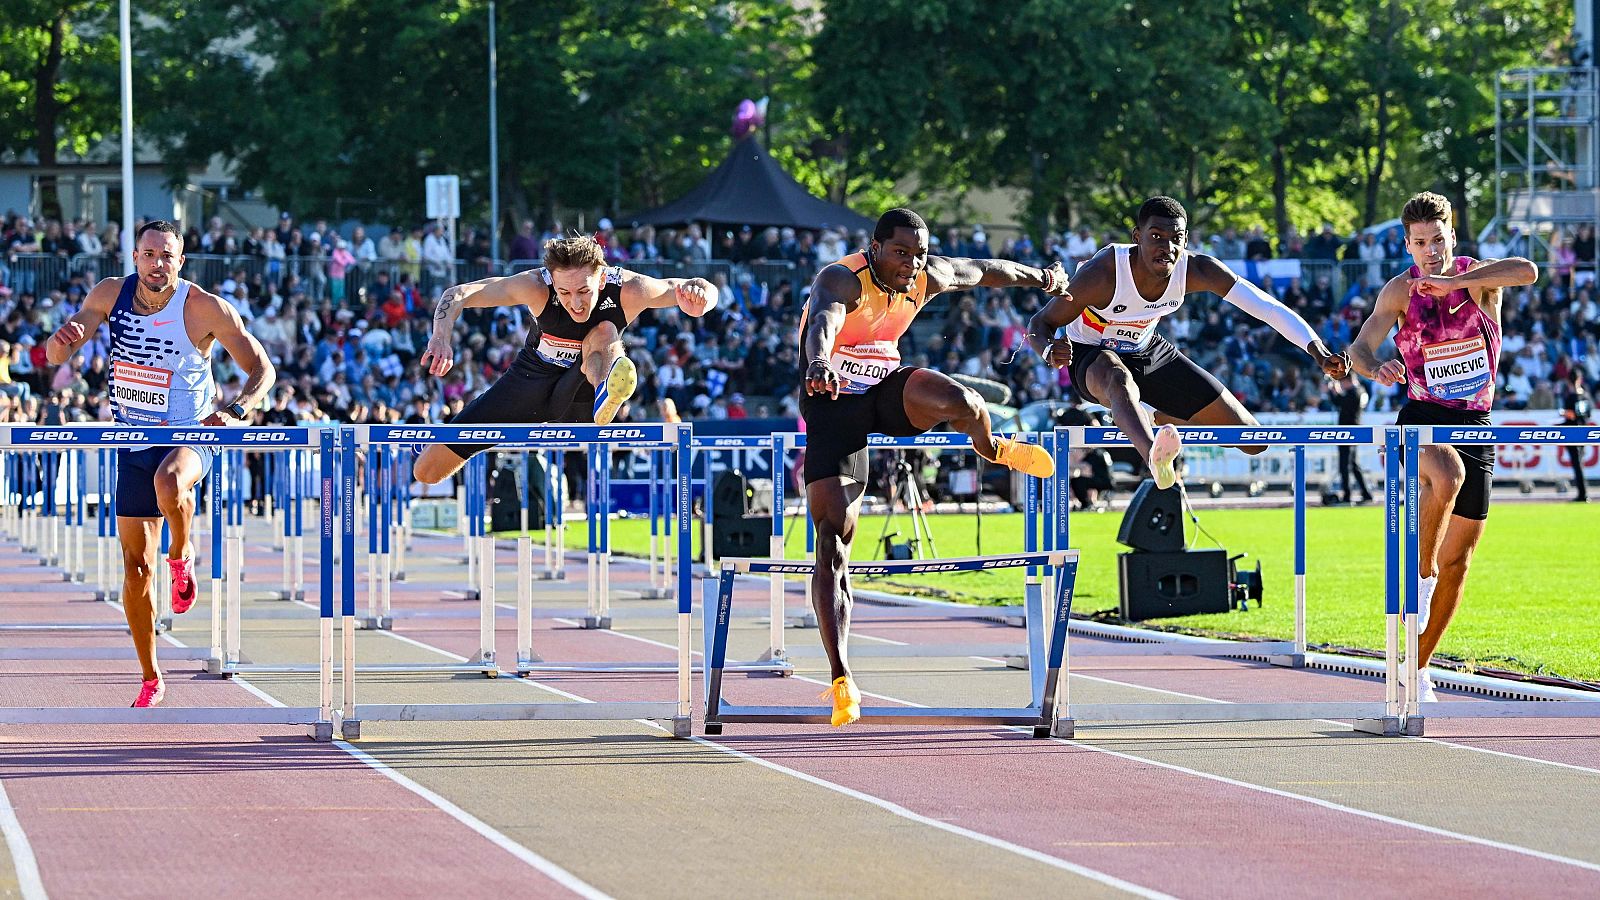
[160, 324]
[1457, 308]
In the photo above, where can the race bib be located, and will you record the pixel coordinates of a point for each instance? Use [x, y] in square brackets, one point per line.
[1456, 369]
[141, 389]
[559, 351]
[863, 365]
[1126, 337]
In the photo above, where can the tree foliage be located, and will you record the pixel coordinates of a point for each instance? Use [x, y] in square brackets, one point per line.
[1249, 111]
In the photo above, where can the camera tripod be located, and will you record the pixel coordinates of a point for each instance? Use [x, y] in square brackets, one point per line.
[903, 486]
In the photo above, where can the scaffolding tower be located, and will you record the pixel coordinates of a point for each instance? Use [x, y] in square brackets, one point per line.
[1547, 148]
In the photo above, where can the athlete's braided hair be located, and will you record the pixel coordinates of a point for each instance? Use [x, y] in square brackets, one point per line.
[1159, 206]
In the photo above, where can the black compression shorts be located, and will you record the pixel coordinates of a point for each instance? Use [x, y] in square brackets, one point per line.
[1167, 380]
[1472, 502]
[836, 430]
[520, 397]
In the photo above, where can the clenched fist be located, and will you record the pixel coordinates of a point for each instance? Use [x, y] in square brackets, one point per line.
[696, 297]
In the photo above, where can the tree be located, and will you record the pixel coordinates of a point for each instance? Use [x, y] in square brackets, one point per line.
[59, 81]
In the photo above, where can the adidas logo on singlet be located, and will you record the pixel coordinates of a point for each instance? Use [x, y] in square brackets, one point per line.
[607, 304]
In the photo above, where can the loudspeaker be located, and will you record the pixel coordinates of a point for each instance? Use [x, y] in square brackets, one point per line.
[505, 493]
[1154, 520]
[1185, 583]
[733, 495]
[740, 536]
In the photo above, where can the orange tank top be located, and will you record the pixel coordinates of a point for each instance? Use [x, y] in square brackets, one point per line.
[867, 348]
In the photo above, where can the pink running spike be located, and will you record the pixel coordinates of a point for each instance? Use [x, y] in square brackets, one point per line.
[183, 586]
[150, 693]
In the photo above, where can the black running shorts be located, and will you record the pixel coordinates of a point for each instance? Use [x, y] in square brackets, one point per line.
[520, 397]
[1472, 502]
[1167, 380]
[837, 429]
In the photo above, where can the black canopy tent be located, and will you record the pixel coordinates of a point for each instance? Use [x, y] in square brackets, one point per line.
[749, 188]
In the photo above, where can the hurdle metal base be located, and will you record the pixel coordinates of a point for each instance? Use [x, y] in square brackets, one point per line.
[1288, 660]
[1227, 712]
[322, 732]
[489, 670]
[803, 620]
[295, 596]
[915, 651]
[597, 622]
[1063, 727]
[654, 594]
[1382, 726]
[350, 729]
[164, 653]
[882, 715]
[778, 667]
[161, 715]
[512, 712]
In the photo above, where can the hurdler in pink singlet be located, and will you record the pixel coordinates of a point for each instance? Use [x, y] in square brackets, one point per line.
[1450, 347]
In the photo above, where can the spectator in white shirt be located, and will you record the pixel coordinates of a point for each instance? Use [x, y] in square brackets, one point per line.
[1080, 247]
[1493, 247]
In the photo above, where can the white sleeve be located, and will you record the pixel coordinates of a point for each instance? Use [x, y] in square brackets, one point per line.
[1270, 310]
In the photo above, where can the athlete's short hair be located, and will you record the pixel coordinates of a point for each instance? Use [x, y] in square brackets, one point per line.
[899, 217]
[577, 252]
[1426, 207]
[161, 225]
[1159, 206]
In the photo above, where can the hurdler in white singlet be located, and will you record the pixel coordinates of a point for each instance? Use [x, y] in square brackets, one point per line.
[1128, 323]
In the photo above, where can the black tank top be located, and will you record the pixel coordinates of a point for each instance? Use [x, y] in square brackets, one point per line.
[555, 341]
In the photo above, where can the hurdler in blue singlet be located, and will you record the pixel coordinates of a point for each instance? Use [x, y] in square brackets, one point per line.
[158, 377]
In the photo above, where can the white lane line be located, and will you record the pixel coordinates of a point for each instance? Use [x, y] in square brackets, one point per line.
[1446, 742]
[886, 805]
[21, 851]
[555, 872]
[1326, 804]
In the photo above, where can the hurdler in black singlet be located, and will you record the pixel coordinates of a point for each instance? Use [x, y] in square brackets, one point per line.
[545, 384]
[555, 341]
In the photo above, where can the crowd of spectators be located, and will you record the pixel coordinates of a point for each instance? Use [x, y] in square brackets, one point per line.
[346, 316]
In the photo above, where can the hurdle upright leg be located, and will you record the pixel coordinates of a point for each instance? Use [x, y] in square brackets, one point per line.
[775, 602]
[1391, 723]
[387, 476]
[371, 620]
[1297, 659]
[224, 642]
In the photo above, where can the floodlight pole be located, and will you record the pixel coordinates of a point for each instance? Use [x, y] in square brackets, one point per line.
[127, 136]
[494, 147]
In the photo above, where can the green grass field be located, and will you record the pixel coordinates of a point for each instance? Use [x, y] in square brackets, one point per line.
[1532, 602]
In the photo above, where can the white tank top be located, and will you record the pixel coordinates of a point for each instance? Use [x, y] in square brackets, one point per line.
[158, 375]
[1128, 323]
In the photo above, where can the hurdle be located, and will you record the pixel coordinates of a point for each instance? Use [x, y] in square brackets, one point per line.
[676, 711]
[1380, 717]
[1405, 447]
[48, 472]
[1048, 651]
[318, 719]
[1017, 654]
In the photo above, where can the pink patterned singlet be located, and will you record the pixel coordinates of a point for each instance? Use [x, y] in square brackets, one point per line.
[1450, 347]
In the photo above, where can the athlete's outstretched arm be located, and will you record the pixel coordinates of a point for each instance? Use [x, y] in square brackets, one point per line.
[834, 293]
[74, 331]
[1207, 273]
[522, 289]
[1092, 286]
[955, 273]
[1392, 302]
[222, 321]
[695, 296]
[1487, 276]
